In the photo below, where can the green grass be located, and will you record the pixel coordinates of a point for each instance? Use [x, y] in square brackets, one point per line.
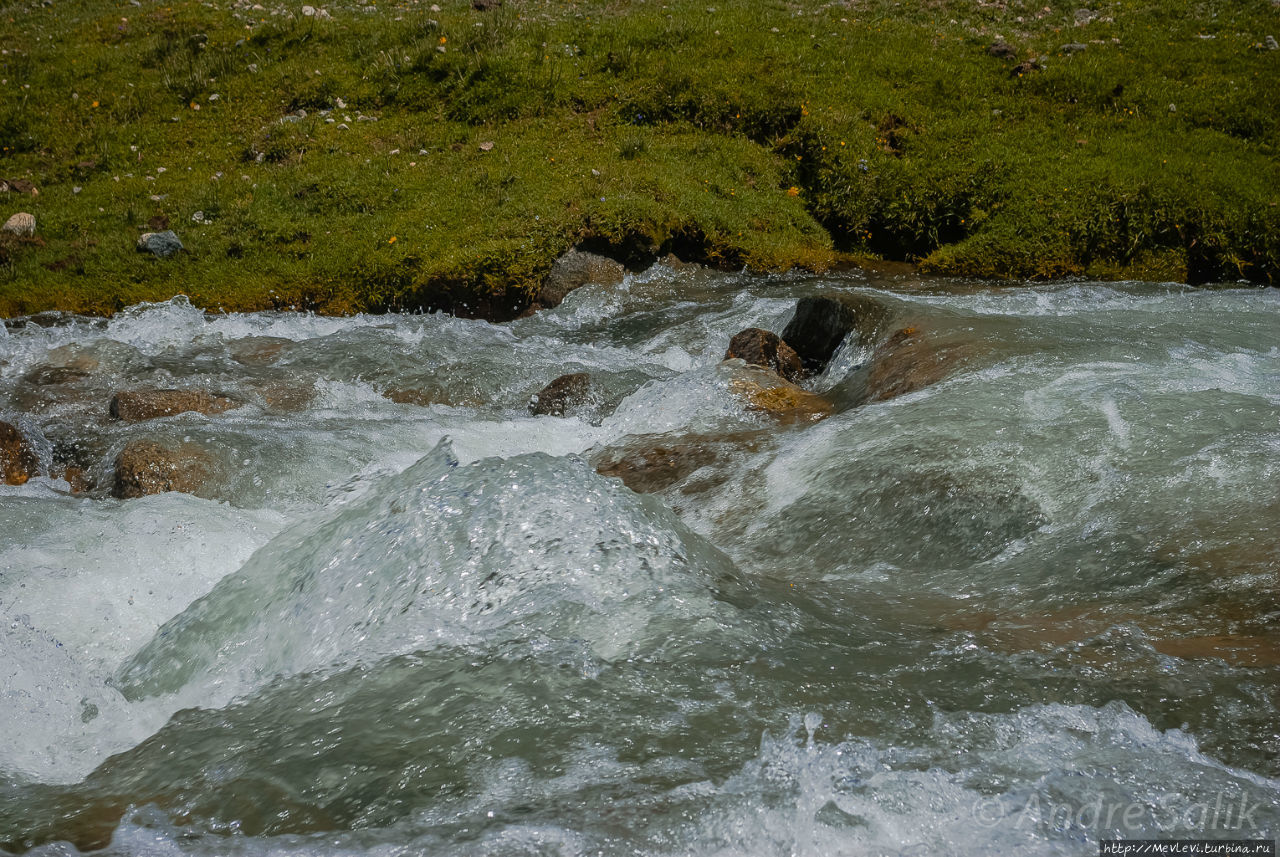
[770, 135]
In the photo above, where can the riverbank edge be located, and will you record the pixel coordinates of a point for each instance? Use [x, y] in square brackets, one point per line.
[501, 293]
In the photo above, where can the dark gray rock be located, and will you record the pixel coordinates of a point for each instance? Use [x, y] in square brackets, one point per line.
[821, 323]
[160, 244]
[1002, 49]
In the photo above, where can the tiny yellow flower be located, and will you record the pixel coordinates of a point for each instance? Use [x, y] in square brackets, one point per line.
[393, 240]
[793, 191]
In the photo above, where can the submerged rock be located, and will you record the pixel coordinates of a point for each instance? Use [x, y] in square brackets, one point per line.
[284, 397]
[910, 360]
[136, 405]
[21, 224]
[258, 350]
[147, 467]
[821, 323]
[762, 348]
[650, 463]
[160, 244]
[54, 376]
[763, 391]
[576, 269]
[563, 394]
[18, 461]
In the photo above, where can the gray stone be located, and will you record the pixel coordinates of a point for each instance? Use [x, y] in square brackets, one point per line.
[160, 244]
[576, 269]
[1072, 48]
[21, 224]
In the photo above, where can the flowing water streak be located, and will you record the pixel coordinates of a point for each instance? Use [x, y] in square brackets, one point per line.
[992, 614]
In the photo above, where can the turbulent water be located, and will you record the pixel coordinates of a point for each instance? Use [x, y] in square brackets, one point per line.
[1029, 606]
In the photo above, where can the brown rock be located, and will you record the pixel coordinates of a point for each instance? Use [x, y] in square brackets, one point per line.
[762, 348]
[650, 463]
[780, 399]
[908, 361]
[285, 398]
[562, 394]
[18, 461]
[18, 186]
[576, 269]
[1025, 67]
[1002, 49]
[77, 478]
[135, 405]
[146, 467]
[485, 5]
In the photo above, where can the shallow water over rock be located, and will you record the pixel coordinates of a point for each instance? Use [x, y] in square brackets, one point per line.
[1015, 562]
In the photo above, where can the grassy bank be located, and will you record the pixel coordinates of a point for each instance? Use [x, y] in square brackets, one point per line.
[448, 155]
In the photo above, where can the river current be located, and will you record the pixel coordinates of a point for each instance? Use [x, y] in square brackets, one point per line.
[1026, 607]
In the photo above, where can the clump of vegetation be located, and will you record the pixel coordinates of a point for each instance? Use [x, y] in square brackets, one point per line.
[381, 156]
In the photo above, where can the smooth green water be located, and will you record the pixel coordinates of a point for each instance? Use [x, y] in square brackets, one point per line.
[993, 615]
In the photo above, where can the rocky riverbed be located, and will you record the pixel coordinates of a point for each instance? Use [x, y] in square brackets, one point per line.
[683, 562]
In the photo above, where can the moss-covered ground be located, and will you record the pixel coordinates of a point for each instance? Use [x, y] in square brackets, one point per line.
[432, 155]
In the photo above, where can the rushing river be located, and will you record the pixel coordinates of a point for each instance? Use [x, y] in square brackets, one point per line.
[1029, 606]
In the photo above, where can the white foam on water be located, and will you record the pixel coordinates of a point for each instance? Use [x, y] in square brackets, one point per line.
[442, 554]
[1046, 779]
[75, 602]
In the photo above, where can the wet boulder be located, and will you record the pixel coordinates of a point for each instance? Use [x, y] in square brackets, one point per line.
[767, 393]
[562, 395]
[821, 323]
[762, 348]
[159, 244]
[148, 467]
[18, 461]
[133, 406]
[54, 376]
[576, 269]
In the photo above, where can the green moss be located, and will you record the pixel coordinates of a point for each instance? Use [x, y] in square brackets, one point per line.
[765, 135]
